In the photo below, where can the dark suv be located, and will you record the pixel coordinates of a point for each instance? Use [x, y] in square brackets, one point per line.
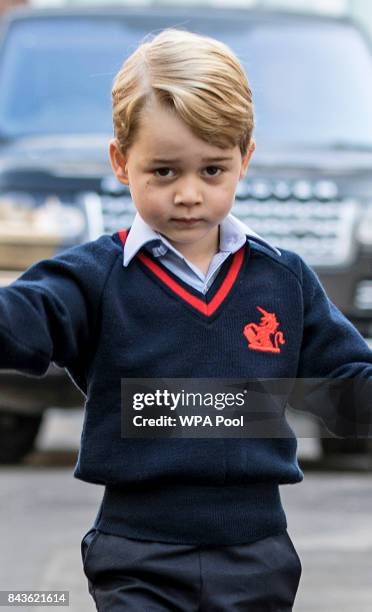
[309, 187]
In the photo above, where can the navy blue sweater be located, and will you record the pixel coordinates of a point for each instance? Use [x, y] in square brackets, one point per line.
[101, 321]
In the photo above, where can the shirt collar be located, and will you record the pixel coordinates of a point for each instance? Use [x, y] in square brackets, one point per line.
[233, 234]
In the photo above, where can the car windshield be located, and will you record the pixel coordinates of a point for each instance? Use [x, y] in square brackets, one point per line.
[312, 81]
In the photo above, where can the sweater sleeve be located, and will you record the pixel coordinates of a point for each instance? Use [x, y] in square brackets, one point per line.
[48, 314]
[334, 378]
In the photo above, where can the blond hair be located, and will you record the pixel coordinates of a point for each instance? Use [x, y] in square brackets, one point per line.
[200, 78]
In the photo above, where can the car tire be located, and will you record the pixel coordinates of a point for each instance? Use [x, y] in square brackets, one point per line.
[17, 435]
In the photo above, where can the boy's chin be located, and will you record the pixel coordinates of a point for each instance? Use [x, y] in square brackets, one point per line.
[178, 228]
[200, 229]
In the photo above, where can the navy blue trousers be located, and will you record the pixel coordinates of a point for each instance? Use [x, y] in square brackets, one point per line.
[127, 575]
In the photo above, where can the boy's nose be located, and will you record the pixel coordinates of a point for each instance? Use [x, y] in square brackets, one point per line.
[188, 194]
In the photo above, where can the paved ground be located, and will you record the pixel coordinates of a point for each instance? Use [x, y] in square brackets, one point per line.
[44, 512]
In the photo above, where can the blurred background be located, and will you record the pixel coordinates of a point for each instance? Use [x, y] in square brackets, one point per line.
[309, 188]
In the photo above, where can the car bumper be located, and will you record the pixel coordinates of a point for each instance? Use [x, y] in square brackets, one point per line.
[31, 394]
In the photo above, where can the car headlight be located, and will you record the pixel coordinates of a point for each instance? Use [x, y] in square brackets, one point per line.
[364, 229]
[30, 232]
[51, 222]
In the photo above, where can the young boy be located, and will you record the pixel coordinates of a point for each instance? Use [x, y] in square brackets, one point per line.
[184, 524]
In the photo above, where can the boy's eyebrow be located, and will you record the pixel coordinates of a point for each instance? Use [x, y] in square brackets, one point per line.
[157, 160]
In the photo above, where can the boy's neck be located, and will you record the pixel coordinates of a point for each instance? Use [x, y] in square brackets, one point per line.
[201, 253]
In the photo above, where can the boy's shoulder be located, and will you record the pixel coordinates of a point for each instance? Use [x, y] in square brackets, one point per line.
[90, 261]
[106, 246]
[279, 258]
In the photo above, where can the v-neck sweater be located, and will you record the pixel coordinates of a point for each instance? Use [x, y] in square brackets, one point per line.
[233, 234]
[103, 322]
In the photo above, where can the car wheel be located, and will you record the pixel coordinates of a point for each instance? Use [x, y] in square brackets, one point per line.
[17, 435]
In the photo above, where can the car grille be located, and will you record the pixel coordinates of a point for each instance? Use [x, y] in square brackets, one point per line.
[320, 232]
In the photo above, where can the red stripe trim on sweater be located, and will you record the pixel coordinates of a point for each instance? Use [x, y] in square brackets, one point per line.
[123, 235]
[228, 282]
[172, 284]
[198, 304]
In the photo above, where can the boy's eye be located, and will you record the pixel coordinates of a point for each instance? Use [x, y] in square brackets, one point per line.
[214, 168]
[163, 172]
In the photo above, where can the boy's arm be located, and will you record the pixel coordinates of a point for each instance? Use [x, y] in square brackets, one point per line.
[338, 361]
[49, 312]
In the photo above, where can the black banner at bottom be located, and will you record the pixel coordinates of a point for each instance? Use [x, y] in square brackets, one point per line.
[242, 408]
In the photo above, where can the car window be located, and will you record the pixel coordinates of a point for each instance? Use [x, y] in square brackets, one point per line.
[56, 79]
[312, 82]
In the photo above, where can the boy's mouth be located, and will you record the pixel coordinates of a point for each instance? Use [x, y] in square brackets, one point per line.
[186, 221]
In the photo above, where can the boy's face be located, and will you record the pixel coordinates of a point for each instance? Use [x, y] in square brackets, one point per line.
[173, 175]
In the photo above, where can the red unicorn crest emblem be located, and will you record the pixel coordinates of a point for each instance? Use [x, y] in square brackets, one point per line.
[264, 336]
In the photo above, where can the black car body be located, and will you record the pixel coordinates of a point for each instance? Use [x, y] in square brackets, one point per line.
[309, 186]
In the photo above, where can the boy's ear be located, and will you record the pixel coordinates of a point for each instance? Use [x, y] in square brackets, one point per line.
[247, 158]
[118, 162]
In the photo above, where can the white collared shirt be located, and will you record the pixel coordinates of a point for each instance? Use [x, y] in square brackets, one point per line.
[233, 234]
